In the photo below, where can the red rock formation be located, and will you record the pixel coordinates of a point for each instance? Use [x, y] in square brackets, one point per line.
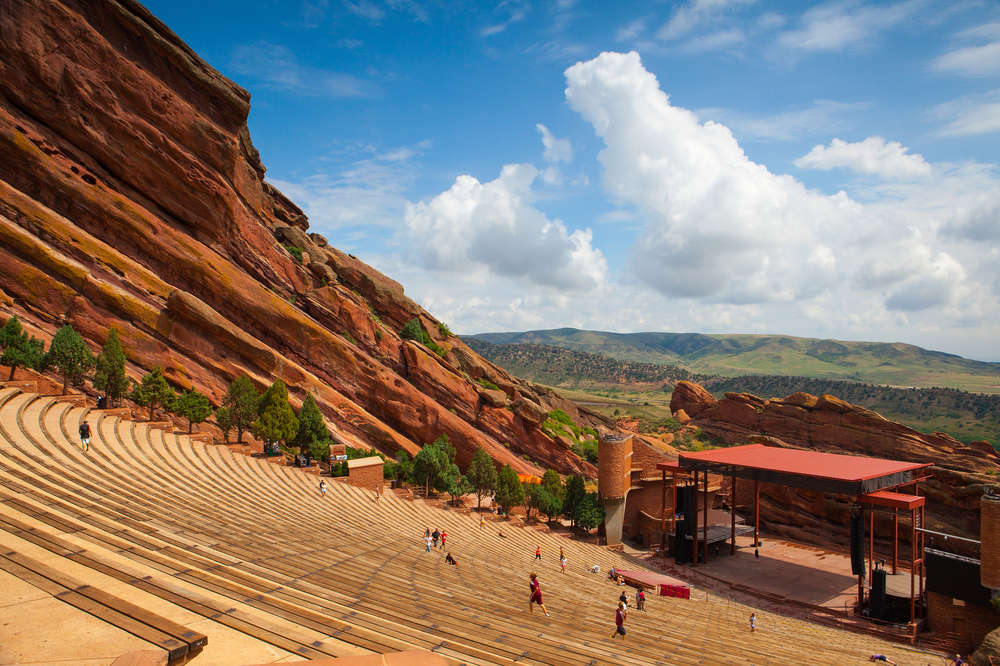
[132, 196]
[830, 424]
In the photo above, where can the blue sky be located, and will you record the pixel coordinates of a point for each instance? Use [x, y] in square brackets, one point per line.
[823, 169]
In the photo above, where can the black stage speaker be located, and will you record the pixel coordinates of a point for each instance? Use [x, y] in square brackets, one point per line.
[879, 607]
[687, 526]
[858, 543]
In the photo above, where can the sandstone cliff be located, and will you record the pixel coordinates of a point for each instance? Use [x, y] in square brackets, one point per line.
[960, 473]
[131, 196]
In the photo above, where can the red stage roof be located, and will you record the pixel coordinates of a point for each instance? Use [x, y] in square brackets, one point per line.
[829, 472]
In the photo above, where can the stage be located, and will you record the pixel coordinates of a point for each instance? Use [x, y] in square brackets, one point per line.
[793, 571]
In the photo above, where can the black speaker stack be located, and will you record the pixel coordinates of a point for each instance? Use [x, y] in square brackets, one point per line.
[685, 528]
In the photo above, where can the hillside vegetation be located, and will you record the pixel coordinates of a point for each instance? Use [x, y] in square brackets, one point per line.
[895, 364]
[640, 390]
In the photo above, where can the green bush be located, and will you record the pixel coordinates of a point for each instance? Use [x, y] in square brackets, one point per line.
[296, 253]
[413, 330]
[487, 384]
[444, 330]
[20, 349]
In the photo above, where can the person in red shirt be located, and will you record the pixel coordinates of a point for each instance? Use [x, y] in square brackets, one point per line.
[620, 615]
[444, 537]
[536, 595]
[538, 552]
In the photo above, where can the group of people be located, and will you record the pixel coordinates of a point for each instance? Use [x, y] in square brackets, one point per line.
[431, 538]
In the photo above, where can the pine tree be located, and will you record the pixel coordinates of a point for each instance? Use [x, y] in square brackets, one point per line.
[70, 355]
[575, 491]
[276, 421]
[509, 491]
[482, 475]
[109, 374]
[312, 436]
[193, 406]
[401, 468]
[529, 497]
[19, 350]
[224, 421]
[153, 391]
[553, 485]
[458, 485]
[241, 402]
[432, 464]
[548, 503]
[589, 512]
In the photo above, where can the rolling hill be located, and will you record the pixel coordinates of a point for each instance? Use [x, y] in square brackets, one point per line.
[641, 390]
[893, 364]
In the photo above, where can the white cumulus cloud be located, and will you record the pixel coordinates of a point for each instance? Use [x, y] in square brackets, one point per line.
[874, 156]
[719, 225]
[722, 229]
[493, 227]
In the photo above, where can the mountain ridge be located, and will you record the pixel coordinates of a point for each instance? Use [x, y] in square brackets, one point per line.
[889, 363]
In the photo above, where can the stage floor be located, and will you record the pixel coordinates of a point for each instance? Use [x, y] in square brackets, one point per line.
[796, 571]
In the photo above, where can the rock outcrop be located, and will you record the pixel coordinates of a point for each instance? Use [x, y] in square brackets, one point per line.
[131, 196]
[826, 423]
[989, 652]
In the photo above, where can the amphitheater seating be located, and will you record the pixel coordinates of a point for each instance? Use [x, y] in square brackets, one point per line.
[251, 549]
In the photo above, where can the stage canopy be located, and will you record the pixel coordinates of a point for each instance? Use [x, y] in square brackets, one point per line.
[809, 470]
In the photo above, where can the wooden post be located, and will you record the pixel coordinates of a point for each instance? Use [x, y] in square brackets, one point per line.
[732, 518]
[895, 539]
[704, 517]
[694, 543]
[663, 516]
[913, 559]
[673, 508]
[923, 556]
[756, 513]
[871, 542]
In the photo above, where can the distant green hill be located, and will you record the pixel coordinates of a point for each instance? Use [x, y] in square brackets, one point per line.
[556, 366]
[894, 364]
[642, 390]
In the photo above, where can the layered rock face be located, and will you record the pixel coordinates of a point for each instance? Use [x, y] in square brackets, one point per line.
[131, 196]
[825, 423]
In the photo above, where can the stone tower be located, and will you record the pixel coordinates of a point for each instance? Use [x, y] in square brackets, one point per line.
[614, 467]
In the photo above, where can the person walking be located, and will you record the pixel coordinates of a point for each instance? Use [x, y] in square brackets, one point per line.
[753, 622]
[640, 600]
[620, 614]
[536, 595]
[563, 562]
[85, 435]
[623, 598]
[538, 552]
[322, 488]
[444, 537]
[482, 522]
[435, 535]
[428, 541]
